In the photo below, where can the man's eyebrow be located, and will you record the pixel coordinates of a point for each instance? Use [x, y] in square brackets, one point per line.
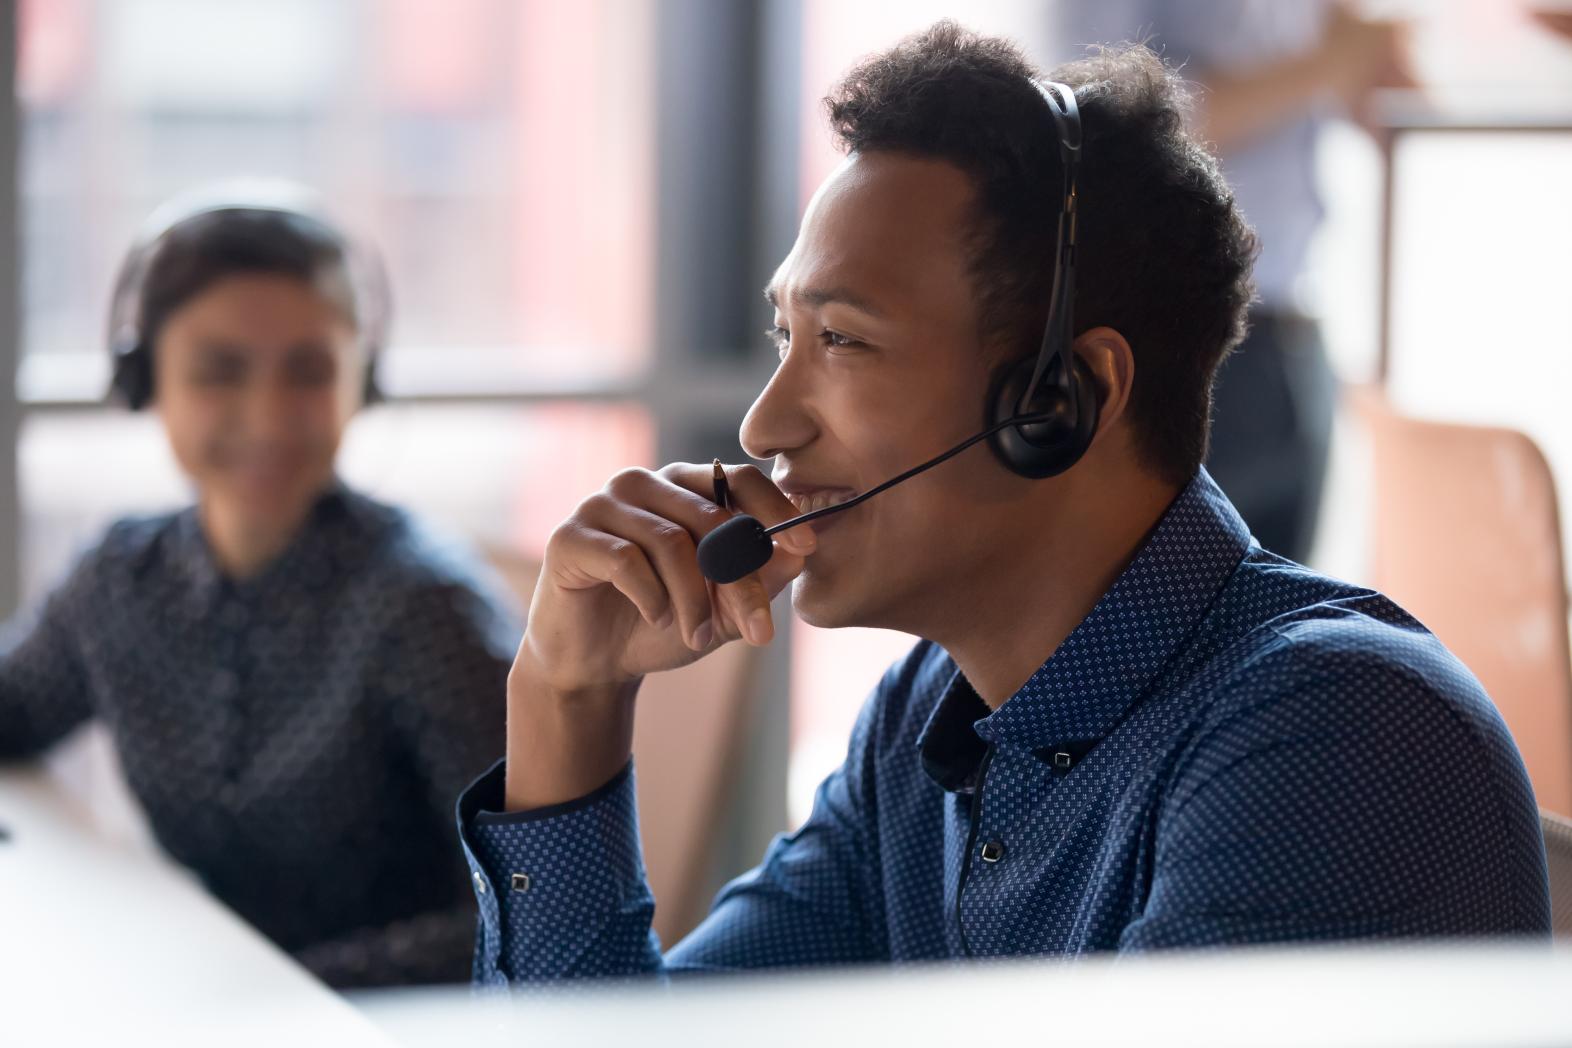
[823, 296]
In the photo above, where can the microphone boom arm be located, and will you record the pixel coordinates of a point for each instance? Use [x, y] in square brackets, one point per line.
[1018, 420]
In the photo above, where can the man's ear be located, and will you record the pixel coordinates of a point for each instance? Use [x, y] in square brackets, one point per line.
[1112, 363]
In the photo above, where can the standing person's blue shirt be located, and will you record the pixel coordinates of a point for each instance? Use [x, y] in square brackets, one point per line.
[1229, 749]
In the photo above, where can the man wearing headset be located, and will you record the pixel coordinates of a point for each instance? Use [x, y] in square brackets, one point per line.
[1126, 726]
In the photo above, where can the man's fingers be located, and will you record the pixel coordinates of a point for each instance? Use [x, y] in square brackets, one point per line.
[779, 572]
[752, 493]
[746, 609]
[669, 548]
[650, 506]
[757, 496]
[584, 556]
[746, 603]
[743, 612]
[667, 497]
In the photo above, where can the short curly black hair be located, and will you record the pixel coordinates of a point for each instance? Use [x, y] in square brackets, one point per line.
[1164, 255]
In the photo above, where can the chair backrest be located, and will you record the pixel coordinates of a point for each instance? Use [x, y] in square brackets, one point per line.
[1558, 849]
[688, 737]
[1467, 538]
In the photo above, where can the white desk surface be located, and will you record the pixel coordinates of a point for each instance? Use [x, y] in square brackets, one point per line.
[1468, 995]
[108, 942]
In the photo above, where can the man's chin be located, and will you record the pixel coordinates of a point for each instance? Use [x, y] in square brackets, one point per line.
[818, 602]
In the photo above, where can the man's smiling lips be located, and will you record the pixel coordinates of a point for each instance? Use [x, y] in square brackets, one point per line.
[809, 498]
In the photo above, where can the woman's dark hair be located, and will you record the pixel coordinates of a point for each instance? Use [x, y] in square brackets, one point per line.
[209, 245]
[212, 245]
[1164, 255]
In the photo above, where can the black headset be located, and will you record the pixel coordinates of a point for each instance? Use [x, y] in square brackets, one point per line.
[1056, 383]
[131, 352]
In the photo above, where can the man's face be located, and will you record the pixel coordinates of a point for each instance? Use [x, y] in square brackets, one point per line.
[882, 368]
[257, 377]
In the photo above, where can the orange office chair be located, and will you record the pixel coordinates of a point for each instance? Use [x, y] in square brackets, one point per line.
[1467, 538]
[1558, 849]
[688, 736]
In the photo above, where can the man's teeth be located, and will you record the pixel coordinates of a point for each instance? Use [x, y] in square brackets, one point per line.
[820, 500]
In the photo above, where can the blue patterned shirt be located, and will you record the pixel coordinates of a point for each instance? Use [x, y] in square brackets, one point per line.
[296, 739]
[1229, 749]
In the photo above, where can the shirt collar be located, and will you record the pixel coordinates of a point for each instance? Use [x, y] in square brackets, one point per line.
[193, 557]
[1108, 662]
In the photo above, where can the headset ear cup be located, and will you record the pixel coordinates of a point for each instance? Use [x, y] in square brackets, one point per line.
[132, 378]
[1048, 448]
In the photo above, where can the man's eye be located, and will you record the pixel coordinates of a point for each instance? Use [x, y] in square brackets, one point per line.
[781, 338]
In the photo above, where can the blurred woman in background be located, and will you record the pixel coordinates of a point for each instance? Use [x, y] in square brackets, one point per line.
[298, 680]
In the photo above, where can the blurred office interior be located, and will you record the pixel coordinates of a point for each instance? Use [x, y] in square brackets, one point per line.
[579, 200]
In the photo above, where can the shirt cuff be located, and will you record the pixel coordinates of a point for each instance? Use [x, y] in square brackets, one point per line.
[549, 879]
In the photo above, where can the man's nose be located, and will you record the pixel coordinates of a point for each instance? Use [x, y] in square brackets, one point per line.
[780, 420]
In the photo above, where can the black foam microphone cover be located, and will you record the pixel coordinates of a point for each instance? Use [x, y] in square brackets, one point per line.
[734, 550]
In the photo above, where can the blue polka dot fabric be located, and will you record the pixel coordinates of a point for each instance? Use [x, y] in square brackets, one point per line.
[296, 739]
[1230, 749]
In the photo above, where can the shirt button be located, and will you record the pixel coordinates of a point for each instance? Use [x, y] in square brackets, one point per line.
[480, 882]
[993, 851]
[521, 882]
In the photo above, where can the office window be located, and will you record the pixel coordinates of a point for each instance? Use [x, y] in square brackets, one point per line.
[1480, 331]
[499, 154]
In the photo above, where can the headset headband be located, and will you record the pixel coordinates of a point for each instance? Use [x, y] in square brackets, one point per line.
[1058, 330]
[367, 275]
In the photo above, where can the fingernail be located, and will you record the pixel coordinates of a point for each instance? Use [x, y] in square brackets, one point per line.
[799, 540]
[665, 619]
[759, 626]
[703, 635]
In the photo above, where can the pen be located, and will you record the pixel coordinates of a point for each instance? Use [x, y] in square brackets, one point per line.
[722, 487]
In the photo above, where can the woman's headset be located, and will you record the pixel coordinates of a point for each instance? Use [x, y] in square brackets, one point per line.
[130, 345]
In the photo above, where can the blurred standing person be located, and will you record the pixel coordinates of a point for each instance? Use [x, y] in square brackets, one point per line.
[1272, 74]
[298, 680]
